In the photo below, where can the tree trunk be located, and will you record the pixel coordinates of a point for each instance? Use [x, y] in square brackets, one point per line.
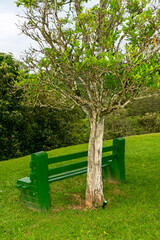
[94, 189]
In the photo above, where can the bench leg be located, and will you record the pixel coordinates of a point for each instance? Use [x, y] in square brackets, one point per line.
[34, 191]
[115, 173]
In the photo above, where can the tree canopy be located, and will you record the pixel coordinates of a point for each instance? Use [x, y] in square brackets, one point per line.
[97, 57]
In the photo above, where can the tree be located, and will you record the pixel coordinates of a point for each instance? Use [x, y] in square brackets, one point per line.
[98, 58]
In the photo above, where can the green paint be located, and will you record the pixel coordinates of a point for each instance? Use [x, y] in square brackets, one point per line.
[34, 190]
[116, 172]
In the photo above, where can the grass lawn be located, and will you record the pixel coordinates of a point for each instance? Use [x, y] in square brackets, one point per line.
[132, 212]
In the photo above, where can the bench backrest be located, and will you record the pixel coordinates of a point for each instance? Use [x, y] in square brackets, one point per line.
[117, 167]
[77, 165]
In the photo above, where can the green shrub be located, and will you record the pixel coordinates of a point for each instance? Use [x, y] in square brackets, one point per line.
[150, 122]
[119, 124]
[143, 106]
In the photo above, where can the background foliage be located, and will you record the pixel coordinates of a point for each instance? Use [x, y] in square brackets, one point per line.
[26, 129]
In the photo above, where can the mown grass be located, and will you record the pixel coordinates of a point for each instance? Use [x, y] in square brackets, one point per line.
[132, 212]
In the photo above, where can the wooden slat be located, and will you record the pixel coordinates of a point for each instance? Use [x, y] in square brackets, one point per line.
[107, 149]
[74, 166]
[61, 176]
[67, 175]
[67, 157]
[67, 168]
[108, 159]
[75, 155]
[105, 165]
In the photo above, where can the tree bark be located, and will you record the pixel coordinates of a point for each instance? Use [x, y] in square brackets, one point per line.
[94, 189]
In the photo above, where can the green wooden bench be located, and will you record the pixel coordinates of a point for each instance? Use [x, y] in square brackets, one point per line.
[34, 190]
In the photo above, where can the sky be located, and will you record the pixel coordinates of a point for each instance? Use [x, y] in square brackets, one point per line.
[10, 38]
